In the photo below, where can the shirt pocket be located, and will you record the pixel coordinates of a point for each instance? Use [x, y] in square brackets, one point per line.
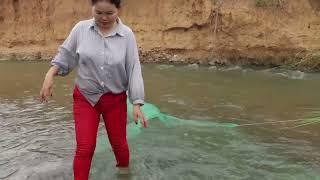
[116, 53]
[116, 58]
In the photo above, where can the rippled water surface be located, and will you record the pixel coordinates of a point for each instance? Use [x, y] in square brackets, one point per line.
[37, 140]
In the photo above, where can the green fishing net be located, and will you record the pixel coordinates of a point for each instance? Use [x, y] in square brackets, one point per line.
[152, 113]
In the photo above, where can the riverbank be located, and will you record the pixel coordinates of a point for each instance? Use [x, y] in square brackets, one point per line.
[307, 62]
[243, 32]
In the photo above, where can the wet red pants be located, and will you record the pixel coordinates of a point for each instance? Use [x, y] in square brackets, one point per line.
[113, 108]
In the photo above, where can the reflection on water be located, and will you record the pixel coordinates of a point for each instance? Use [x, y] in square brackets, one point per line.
[37, 140]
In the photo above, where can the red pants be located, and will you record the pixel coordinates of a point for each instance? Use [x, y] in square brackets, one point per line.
[113, 108]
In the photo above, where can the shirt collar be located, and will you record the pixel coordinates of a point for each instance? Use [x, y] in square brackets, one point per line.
[118, 30]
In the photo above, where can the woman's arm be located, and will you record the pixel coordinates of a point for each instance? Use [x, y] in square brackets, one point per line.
[62, 64]
[46, 90]
[133, 68]
[135, 85]
[67, 59]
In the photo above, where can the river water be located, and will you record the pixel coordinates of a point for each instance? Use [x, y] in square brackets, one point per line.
[37, 140]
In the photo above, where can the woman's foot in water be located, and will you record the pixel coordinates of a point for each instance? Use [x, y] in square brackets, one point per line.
[123, 170]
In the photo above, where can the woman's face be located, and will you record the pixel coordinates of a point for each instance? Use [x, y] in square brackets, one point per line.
[105, 14]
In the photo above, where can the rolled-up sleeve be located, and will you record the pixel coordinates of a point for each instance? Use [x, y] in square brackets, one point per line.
[133, 68]
[66, 59]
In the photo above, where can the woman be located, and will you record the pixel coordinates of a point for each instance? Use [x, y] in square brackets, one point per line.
[106, 52]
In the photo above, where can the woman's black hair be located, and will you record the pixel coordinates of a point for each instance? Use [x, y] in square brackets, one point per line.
[117, 3]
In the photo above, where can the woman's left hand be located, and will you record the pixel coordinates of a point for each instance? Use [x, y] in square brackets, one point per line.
[137, 114]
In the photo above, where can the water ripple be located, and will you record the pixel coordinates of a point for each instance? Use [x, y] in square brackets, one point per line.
[31, 132]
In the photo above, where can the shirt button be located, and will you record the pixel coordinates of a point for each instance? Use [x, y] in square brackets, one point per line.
[102, 83]
[101, 68]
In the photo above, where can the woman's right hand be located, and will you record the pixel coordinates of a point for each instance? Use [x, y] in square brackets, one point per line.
[46, 90]
[47, 86]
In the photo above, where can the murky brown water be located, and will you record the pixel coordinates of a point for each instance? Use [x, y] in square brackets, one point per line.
[37, 140]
